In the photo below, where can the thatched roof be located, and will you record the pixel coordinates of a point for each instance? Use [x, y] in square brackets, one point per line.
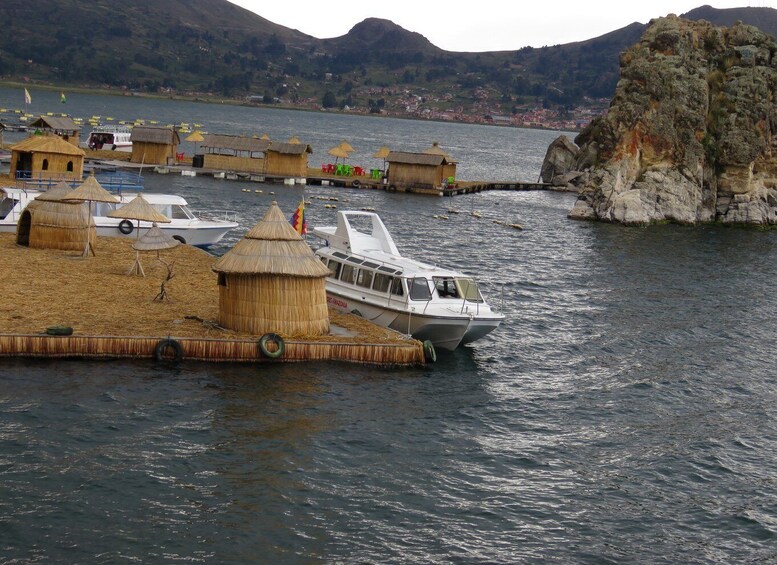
[272, 247]
[91, 190]
[234, 142]
[139, 209]
[155, 240]
[427, 159]
[290, 148]
[155, 134]
[59, 123]
[60, 191]
[47, 144]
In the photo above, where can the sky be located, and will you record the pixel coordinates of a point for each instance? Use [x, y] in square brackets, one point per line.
[480, 25]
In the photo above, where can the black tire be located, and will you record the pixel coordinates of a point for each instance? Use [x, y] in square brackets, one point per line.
[356, 184]
[179, 238]
[126, 227]
[59, 330]
[160, 352]
[429, 353]
[275, 338]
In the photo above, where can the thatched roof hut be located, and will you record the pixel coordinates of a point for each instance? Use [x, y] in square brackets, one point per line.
[47, 157]
[271, 282]
[287, 159]
[423, 170]
[155, 145]
[234, 153]
[61, 126]
[49, 222]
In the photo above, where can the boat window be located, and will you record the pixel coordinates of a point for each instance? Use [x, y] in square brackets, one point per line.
[370, 265]
[386, 269]
[364, 278]
[355, 261]
[340, 255]
[397, 288]
[334, 269]
[102, 208]
[468, 288]
[446, 287]
[348, 274]
[419, 289]
[382, 282]
[180, 213]
[6, 205]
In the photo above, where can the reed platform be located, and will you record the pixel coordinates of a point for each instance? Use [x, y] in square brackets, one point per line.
[115, 315]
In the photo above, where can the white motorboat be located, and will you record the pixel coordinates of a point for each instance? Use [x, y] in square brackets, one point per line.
[109, 137]
[184, 225]
[371, 278]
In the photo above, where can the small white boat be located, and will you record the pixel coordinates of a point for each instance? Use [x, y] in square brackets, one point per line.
[370, 277]
[184, 225]
[109, 137]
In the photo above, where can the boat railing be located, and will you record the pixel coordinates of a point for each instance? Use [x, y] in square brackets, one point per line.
[112, 181]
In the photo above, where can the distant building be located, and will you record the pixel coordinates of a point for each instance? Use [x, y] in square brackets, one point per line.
[60, 126]
[421, 170]
[154, 145]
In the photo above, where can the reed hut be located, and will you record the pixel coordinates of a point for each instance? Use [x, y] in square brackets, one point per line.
[154, 145]
[51, 222]
[47, 157]
[422, 170]
[270, 282]
[234, 153]
[61, 126]
[287, 159]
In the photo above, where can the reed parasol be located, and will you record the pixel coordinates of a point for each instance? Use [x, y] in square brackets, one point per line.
[195, 137]
[338, 152]
[90, 191]
[140, 210]
[435, 149]
[382, 153]
[294, 139]
[347, 146]
[156, 240]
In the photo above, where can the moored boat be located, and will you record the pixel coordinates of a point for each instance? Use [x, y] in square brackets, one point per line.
[371, 278]
[184, 225]
[109, 137]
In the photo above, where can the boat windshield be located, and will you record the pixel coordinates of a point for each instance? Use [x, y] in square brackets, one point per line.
[419, 289]
[468, 289]
[6, 205]
[175, 211]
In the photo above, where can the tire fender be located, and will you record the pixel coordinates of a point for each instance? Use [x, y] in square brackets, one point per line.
[126, 227]
[161, 348]
[356, 184]
[274, 338]
[429, 353]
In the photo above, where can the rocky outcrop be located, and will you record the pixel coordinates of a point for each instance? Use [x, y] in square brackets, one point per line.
[560, 160]
[690, 134]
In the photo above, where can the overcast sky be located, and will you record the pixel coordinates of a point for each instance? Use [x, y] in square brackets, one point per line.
[479, 25]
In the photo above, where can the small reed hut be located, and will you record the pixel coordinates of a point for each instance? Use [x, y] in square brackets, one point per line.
[47, 157]
[61, 126]
[287, 159]
[422, 170]
[234, 153]
[271, 282]
[50, 222]
[154, 145]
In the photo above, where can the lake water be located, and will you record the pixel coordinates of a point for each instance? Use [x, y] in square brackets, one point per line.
[624, 412]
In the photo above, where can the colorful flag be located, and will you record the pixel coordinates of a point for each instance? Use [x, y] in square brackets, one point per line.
[62, 98]
[27, 97]
[298, 219]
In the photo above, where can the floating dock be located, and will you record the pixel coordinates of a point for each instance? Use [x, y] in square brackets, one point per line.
[115, 315]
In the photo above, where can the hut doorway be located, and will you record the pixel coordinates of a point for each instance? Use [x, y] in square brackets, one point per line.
[23, 229]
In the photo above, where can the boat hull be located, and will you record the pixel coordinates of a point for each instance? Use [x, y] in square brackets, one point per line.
[445, 332]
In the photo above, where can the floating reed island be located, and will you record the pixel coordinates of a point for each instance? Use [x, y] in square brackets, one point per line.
[253, 304]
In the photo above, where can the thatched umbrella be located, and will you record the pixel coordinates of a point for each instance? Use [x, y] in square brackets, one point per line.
[347, 146]
[156, 240]
[435, 149]
[338, 152]
[265, 137]
[140, 210]
[382, 153]
[90, 191]
[56, 194]
[195, 137]
[271, 281]
[294, 139]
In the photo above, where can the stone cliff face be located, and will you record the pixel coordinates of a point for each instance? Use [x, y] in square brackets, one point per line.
[690, 135]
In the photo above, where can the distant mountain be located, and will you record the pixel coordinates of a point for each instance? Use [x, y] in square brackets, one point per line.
[207, 48]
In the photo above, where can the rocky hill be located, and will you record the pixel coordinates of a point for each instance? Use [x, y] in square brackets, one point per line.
[691, 133]
[215, 48]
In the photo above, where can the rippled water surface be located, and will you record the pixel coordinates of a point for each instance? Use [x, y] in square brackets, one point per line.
[624, 412]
